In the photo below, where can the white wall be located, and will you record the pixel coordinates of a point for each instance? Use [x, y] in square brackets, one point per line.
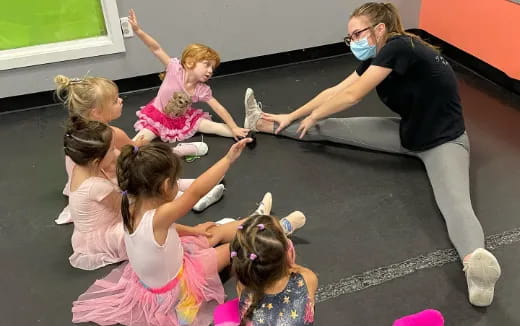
[237, 29]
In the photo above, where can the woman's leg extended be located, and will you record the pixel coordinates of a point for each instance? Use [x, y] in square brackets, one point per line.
[447, 166]
[448, 169]
[375, 133]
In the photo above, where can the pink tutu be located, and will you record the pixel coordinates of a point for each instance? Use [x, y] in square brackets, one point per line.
[122, 298]
[167, 128]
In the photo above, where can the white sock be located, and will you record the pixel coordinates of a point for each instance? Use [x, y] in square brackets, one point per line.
[211, 197]
[64, 217]
[225, 220]
[292, 222]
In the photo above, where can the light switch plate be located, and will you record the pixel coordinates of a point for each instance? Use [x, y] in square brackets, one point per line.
[126, 27]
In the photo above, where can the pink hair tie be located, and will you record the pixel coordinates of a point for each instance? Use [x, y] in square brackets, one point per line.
[135, 149]
[253, 256]
[240, 227]
[261, 227]
[233, 254]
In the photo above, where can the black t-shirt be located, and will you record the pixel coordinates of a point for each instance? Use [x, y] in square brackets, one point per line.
[422, 89]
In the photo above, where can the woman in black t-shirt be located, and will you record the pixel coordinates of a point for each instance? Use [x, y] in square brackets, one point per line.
[416, 82]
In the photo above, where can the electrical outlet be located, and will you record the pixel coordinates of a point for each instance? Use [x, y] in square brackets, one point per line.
[126, 27]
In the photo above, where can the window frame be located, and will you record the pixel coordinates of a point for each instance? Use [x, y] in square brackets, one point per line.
[111, 43]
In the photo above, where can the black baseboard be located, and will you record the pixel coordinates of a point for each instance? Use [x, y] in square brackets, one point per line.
[271, 60]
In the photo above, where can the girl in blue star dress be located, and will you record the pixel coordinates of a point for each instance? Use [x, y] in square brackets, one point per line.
[273, 289]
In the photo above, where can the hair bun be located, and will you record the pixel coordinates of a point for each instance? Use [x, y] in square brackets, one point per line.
[62, 81]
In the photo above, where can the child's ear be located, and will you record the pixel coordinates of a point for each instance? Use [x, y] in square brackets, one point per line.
[96, 114]
[291, 253]
[96, 162]
[167, 186]
[190, 63]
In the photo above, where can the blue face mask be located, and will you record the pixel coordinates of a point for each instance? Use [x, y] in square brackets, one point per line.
[362, 50]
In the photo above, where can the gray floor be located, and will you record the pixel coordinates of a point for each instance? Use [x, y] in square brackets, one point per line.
[367, 212]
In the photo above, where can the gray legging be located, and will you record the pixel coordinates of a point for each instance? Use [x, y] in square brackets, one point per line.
[447, 166]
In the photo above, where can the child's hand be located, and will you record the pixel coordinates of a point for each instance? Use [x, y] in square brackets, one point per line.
[239, 132]
[202, 229]
[237, 148]
[132, 19]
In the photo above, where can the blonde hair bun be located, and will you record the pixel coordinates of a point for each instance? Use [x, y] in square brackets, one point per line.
[62, 81]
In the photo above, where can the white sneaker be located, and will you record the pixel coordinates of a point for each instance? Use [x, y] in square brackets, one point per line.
[292, 222]
[191, 149]
[264, 208]
[211, 197]
[253, 110]
[482, 272]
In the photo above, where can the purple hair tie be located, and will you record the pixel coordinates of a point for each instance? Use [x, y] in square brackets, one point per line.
[253, 256]
[135, 149]
[233, 254]
[124, 192]
[240, 227]
[261, 227]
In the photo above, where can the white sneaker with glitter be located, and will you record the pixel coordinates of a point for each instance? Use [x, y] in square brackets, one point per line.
[253, 110]
[264, 208]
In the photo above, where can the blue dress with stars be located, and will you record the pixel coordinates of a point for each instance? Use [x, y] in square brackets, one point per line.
[291, 307]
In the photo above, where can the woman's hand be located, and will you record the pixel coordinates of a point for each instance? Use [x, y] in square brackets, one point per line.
[236, 149]
[283, 120]
[305, 125]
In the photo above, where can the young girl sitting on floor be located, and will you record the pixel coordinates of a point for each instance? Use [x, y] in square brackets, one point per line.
[273, 289]
[94, 199]
[170, 115]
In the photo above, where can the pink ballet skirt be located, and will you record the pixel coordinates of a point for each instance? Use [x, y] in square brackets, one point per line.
[98, 248]
[189, 299]
[167, 128]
